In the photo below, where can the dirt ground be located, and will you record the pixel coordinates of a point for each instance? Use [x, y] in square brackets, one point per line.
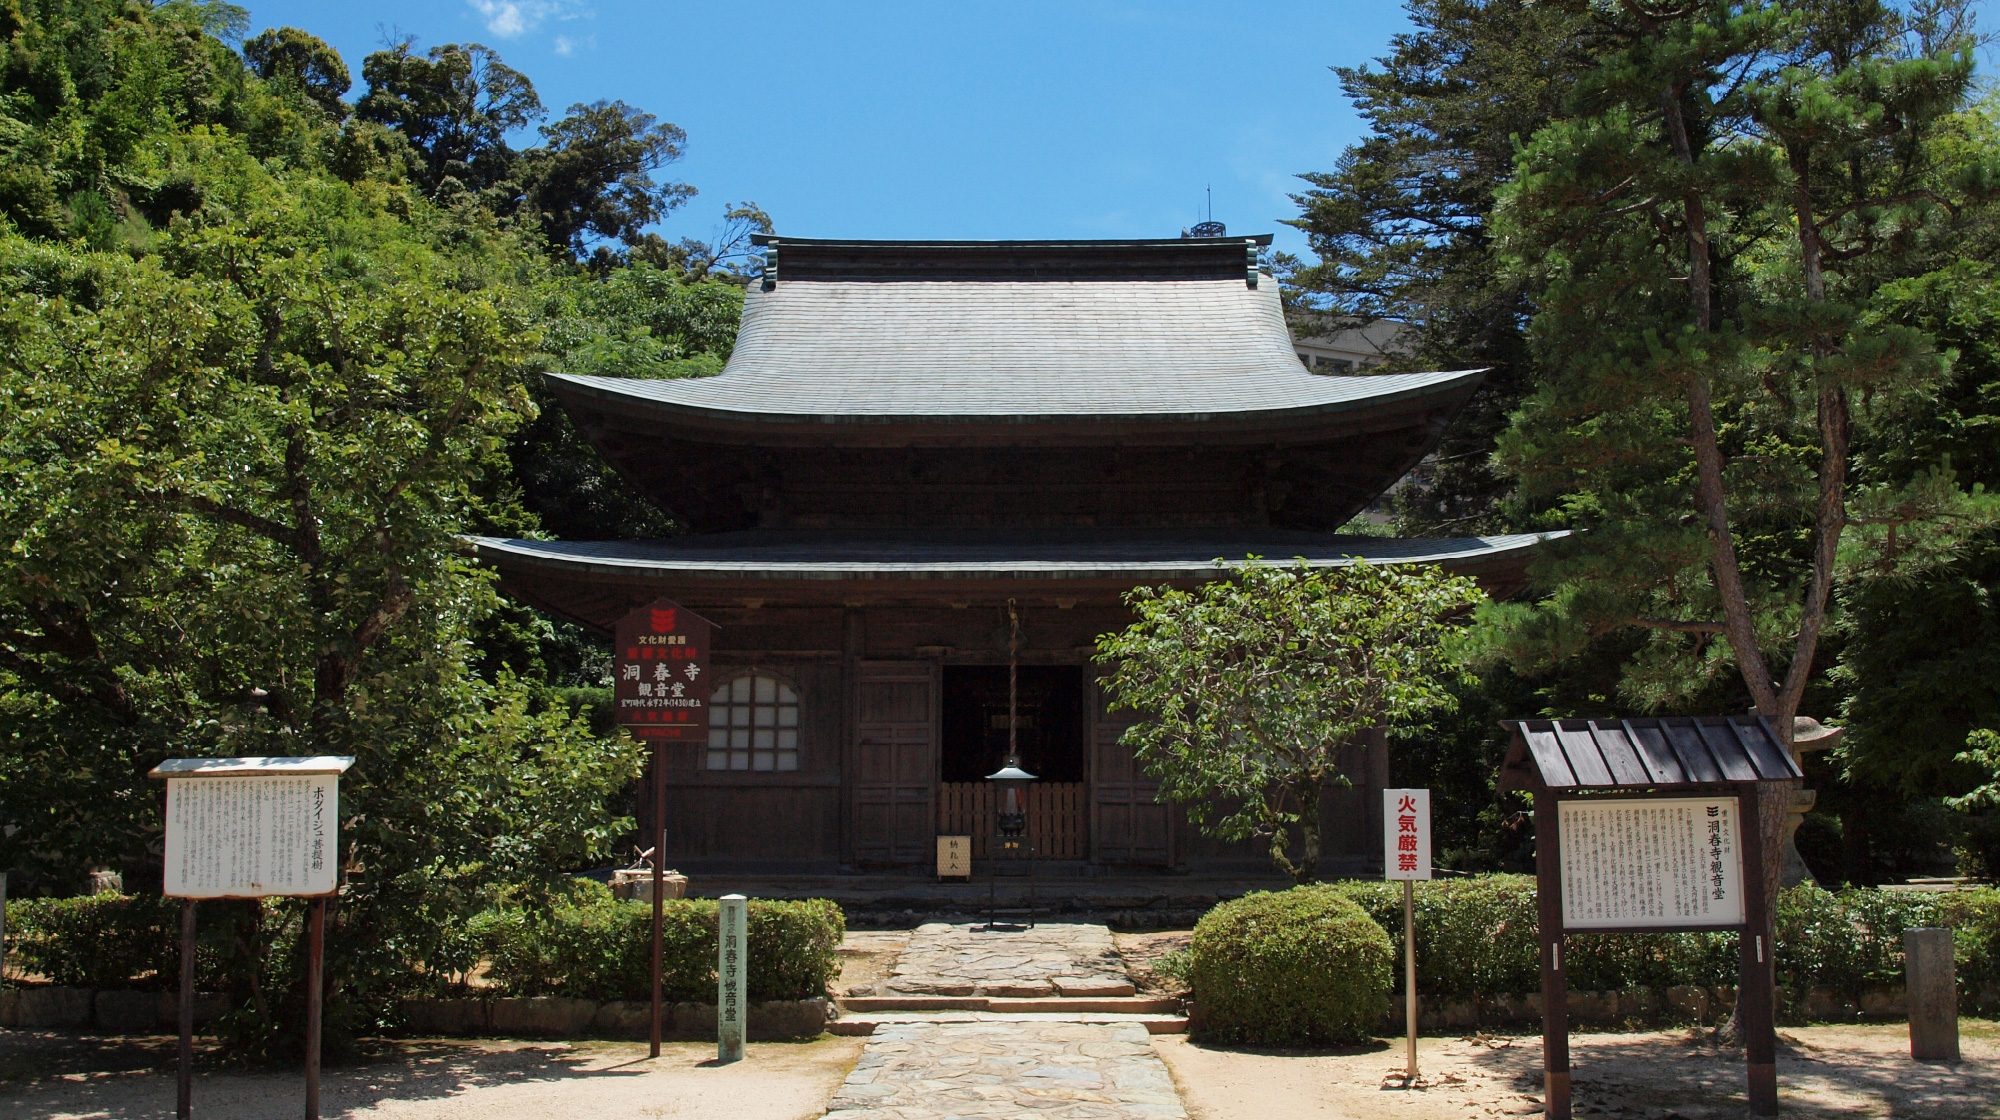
[1851, 1072]
[1141, 950]
[866, 959]
[52, 1076]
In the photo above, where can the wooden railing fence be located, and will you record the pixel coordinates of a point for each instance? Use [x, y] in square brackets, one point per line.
[1058, 821]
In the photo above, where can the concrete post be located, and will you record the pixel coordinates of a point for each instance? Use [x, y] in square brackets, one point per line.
[731, 971]
[1933, 994]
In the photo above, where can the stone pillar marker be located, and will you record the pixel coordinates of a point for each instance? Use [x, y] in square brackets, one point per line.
[1933, 994]
[732, 958]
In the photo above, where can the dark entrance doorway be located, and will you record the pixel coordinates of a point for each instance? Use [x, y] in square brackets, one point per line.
[975, 722]
[973, 744]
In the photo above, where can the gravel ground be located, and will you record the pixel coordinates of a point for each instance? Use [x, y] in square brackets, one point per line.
[1850, 1072]
[53, 1077]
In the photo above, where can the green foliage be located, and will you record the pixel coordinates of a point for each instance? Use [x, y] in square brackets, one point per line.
[1254, 684]
[455, 105]
[1401, 226]
[303, 61]
[106, 941]
[1303, 967]
[1476, 940]
[600, 948]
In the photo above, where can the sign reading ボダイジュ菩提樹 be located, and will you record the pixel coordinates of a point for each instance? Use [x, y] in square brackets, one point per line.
[1651, 862]
[1406, 834]
[249, 828]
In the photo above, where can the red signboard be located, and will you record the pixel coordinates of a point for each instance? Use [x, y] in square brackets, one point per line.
[662, 679]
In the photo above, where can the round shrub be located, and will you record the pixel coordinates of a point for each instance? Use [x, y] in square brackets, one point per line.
[1303, 967]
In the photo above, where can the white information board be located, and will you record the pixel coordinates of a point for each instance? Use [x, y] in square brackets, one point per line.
[1651, 862]
[1406, 834]
[248, 828]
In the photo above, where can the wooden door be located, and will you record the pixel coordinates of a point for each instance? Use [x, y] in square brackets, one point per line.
[1128, 823]
[895, 751]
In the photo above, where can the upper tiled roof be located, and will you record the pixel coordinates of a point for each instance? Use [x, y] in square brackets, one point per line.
[984, 347]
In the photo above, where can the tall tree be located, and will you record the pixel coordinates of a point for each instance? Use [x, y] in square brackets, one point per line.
[304, 61]
[1402, 225]
[592, 177]
[455, 104]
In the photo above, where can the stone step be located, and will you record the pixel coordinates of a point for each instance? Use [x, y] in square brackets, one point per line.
[863, 1025]
[1059, 1005]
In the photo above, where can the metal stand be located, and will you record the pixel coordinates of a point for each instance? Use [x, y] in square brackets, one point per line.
[1017, 851]
[1410, 976]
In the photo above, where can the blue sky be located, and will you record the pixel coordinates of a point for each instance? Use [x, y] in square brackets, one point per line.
[944, 120]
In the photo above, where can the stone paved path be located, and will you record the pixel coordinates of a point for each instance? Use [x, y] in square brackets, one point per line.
[1071, 959]
[1059, 1071]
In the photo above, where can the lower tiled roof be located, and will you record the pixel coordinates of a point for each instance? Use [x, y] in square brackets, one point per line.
[985, 554]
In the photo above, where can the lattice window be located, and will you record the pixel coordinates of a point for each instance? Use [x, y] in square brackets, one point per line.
[753, 724]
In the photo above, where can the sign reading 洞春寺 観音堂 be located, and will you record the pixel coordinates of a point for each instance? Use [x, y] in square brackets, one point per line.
[662, 683]
[1636, 863]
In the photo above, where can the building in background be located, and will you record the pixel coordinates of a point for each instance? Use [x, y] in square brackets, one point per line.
[921, 454]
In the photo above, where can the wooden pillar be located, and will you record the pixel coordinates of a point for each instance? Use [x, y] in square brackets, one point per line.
[1757, 975]
[184, 1081]
[1932, 984]
[853, 647]
[659, 836]
[315, 990]
[1555, 985]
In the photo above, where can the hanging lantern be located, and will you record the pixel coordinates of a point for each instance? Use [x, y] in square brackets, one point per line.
[1012, 782]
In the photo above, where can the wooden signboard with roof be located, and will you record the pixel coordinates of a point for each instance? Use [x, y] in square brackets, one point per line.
[1651, 826]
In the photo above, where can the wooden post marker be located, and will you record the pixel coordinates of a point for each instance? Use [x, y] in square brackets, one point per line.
[1406, 856]
[252, 828]
[732, 960]
[661, 696]
[1932, 985]
[1651, 826]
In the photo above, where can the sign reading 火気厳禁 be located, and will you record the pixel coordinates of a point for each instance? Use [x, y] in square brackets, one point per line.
[251, 827]
[662, 685]
[1406, 834]
[1635, 863]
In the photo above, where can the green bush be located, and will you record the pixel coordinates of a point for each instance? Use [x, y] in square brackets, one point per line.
[600, 948]
[104, 941]
[1476, 939]
[1294, 968]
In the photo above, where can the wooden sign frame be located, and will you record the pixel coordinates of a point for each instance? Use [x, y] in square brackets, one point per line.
[1756, 966]
[661, 645]
[226, 769]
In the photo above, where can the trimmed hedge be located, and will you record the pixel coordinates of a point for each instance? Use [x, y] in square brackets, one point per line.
[594, 948]
[1300, 967]
[1476, 940]
[601, 949]
[104, 941]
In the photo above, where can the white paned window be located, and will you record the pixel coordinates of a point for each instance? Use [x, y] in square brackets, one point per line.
[753, 724]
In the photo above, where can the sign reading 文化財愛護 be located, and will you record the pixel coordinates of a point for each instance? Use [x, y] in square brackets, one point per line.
[662, 685]
[1645, 862]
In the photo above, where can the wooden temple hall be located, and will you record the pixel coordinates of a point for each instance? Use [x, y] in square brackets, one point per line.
[921, 453]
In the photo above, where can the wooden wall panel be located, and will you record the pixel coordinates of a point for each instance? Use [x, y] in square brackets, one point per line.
[1058, 816]
[752, 822]
[1128, 823]
[894, 763]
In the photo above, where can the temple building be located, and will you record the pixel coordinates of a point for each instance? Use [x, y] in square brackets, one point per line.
[921, 454]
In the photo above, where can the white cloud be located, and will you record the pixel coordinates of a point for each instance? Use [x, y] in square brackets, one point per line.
[509, 18]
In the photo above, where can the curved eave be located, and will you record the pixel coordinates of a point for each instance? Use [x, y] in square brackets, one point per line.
[620, 396]
[592, 560]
